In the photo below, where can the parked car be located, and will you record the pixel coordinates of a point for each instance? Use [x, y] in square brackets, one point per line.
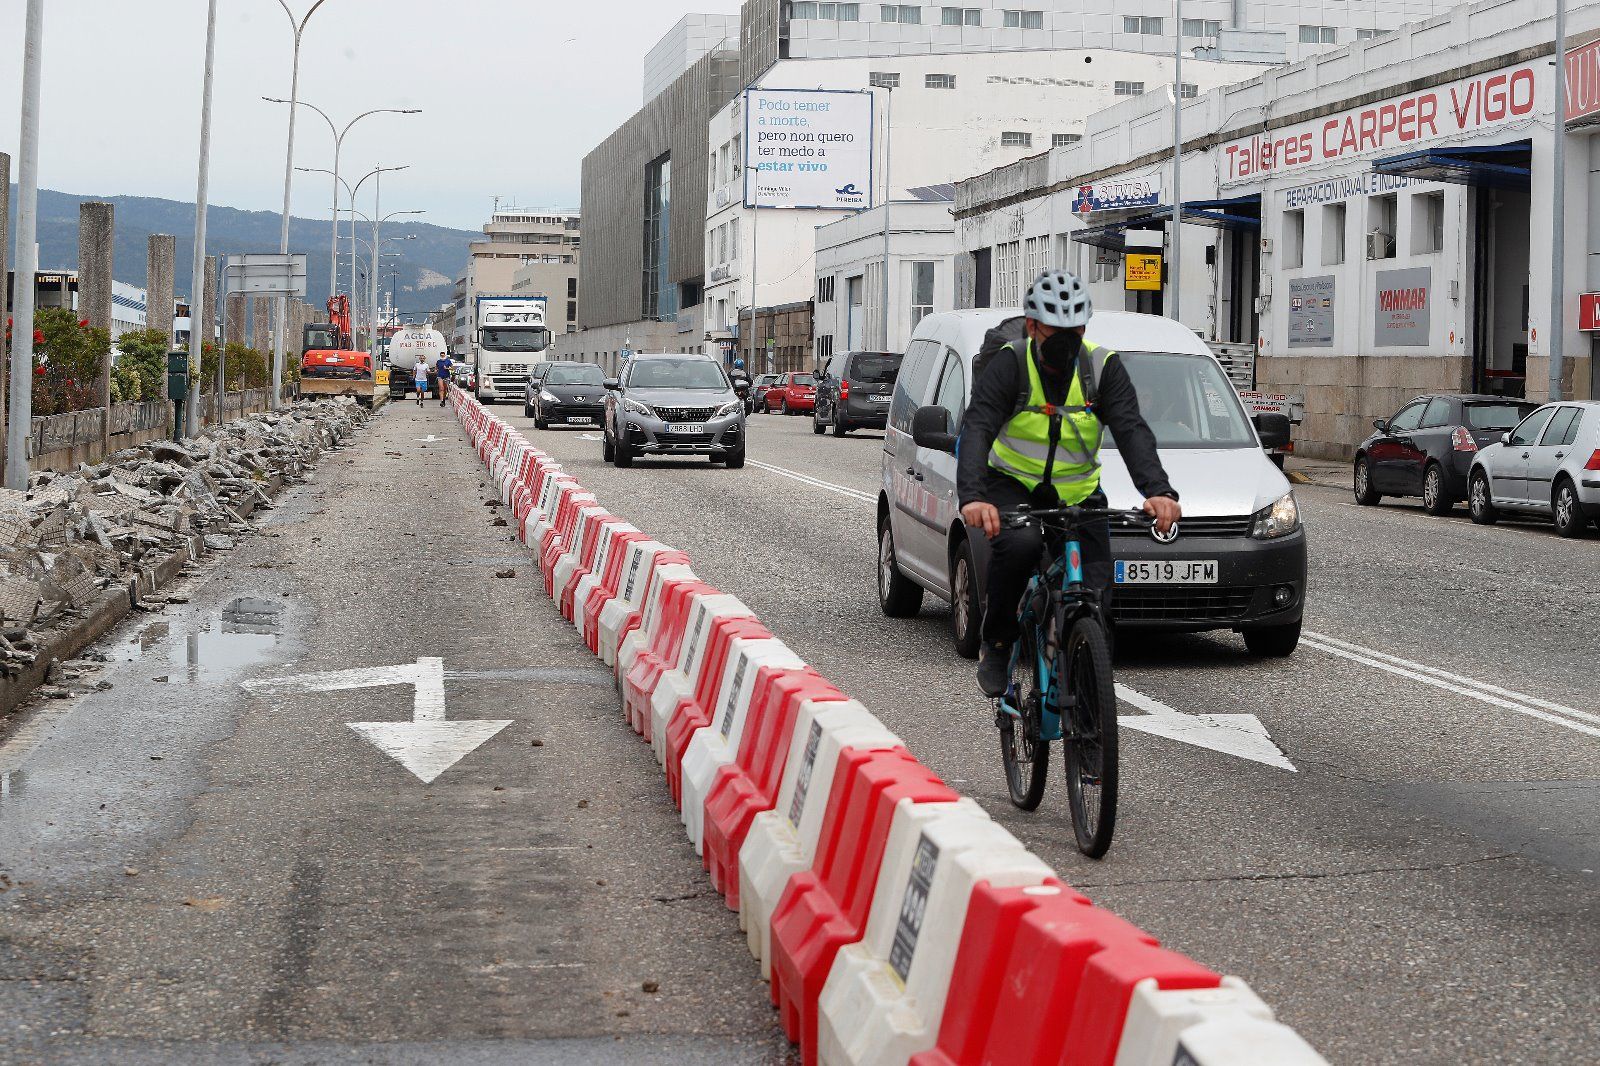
[566, 392]
[465, 377]
[758, 392]
[1427, 448]
[673, 404]
[1548, 465]
[1241, 524]
[853, 391]
[792, 394]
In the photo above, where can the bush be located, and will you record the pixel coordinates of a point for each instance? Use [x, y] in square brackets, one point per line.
[246, 368]
[67, 357]
[140, 372]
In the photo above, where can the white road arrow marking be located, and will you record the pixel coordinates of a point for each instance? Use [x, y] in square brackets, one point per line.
[429, 439]
[590, 436]
[428, 745]
[1240, 735]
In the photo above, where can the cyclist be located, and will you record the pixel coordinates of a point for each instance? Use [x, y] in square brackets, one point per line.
[1031, 437]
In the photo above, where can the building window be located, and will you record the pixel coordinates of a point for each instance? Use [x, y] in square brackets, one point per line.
[1061, 140]
[572, 288]
[1427, 223]
[1189, 90]
[1201, 27]
[1015, 139]
[904, 14]
[1371, 35]
[824, 347]
[1146, 25]
[1128, 88]
[572, 310]
[1332, 234]
[1024, 20]
[657, 295]
[882, 79]
[939, 81]
[1319, 35]
[960, 16]
[1381, 213]
[921, 292]
[810, 10]
[1294, 239]
[825, 290]
[1035, 259]
[1007, 261]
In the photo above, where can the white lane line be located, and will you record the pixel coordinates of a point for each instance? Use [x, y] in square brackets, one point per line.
[1467, 687]
[854, 494]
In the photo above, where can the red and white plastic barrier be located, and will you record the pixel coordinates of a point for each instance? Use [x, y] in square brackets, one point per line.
[896, 922]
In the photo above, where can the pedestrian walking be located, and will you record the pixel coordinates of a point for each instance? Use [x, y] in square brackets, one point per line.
[442, 368]
[419, 378]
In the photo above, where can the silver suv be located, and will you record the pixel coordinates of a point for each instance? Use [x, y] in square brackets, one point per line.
[674, 404]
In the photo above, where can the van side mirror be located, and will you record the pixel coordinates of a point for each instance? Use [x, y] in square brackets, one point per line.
[930, 428]
[1273, 429]
[611, 383]
[1505, 438]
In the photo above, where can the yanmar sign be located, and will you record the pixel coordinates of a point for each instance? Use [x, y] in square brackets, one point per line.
[1393, 125]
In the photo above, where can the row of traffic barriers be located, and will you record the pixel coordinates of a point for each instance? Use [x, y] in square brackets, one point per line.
[895, 921]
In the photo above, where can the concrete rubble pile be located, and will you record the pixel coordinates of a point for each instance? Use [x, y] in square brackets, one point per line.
[72, 535]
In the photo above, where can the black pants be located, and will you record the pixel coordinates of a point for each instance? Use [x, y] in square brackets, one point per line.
[1014, 553]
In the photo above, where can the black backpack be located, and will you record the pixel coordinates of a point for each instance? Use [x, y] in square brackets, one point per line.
[1011, 335]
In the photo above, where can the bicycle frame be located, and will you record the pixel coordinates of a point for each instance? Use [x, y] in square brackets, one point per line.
[1061, 572]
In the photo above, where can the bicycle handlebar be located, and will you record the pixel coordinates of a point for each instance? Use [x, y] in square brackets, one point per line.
[1073, 515]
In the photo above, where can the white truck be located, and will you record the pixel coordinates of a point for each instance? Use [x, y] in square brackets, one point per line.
[409, 344]
[510, 337]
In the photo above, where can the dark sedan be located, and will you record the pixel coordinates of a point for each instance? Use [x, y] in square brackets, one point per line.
[568, 393]
[1426, 449]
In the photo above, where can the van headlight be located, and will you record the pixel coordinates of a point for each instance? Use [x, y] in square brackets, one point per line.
[733, 407]
[635, 407]
[1278, 520]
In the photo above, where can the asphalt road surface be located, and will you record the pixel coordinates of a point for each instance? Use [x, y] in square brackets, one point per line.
[200, 872]
[1420, 888]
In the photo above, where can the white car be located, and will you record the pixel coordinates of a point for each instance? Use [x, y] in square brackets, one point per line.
[1240, 522]
[1548, 465]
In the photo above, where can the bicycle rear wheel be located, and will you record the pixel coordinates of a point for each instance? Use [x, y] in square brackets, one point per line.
[1091, 737]
[1026, 757]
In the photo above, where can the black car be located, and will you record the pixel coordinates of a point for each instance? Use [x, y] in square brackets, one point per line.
[1426, 449]
[566, 393]
[853, 391]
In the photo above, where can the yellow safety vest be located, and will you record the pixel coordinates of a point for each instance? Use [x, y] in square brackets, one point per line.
[1022, 449]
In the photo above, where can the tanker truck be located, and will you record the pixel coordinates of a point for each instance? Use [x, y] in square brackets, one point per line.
[406, 346]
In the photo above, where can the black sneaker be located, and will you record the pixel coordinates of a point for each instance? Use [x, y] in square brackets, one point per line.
[994, 668]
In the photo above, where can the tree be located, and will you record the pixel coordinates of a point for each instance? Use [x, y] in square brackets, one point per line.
[140, 372]
[67, 357]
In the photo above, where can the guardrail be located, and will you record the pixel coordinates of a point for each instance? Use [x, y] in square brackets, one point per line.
[895, 921]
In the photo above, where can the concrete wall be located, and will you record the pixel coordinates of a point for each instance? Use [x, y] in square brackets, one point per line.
[61, 442]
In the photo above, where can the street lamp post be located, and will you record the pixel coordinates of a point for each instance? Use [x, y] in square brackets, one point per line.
[338, 145]
[299, 26]
[1175, 272]
[19, 430]
[374, 172]
[199, 313]
[1558, 212]
[888, 194]
[755, 250]
[372, 314]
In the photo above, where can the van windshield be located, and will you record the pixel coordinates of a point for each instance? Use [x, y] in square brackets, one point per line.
[874, 368]
[1187, 400]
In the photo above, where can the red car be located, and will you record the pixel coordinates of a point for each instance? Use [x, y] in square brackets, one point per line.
[792, 394]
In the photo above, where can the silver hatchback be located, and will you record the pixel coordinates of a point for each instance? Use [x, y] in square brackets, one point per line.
[1548, 465]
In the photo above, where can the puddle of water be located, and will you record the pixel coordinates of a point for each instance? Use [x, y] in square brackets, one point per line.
[245, 632]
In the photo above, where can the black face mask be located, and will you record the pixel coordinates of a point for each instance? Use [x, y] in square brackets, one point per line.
[1060, 351]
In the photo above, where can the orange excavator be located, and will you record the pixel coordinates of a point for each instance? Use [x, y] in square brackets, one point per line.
[329, 363]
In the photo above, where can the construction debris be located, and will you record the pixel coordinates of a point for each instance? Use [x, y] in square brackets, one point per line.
[74, 534]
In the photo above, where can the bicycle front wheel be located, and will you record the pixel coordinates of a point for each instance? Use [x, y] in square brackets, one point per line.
[1025, 755]
[1091, 738]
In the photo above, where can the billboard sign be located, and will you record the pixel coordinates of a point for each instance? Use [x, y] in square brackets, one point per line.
[1401, 310]
[1311, 312]
[1117, 195]
[812, 149]
[1486, 101]
[265, 274]
[1583, 83]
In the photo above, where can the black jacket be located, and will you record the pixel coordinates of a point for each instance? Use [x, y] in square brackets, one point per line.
[994, 397]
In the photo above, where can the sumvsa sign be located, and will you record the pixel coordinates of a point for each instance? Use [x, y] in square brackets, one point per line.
[1393, 125]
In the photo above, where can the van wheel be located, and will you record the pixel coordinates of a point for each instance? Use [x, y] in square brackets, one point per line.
[1567, 511]
[966, 613]
[839, 428]
[898, 595]
[1434, 498]
[1366, 495]
[1480, 504]
[1273, 642]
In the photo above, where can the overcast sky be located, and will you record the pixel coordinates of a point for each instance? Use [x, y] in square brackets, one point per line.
[513, 92]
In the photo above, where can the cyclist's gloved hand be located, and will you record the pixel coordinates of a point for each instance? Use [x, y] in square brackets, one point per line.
[984, 516]
[1165, 510]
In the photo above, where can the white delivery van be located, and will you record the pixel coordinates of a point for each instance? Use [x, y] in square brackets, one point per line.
[1239, 514]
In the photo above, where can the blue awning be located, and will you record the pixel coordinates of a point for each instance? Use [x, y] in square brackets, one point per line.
[1109, 235]
[1495, 166]
[1235, 212]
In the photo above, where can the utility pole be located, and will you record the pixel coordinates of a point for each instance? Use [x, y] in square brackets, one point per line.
[20, 429]
[1557, 327]
[1175, 271]
[755, 248]
[199, 312]
[888, 195]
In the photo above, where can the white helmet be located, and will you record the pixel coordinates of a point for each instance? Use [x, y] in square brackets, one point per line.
[1057, 298]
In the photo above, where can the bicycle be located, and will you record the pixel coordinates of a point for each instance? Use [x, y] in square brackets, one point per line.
[1063, 689]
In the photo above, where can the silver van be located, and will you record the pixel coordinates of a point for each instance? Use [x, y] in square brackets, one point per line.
[1240, 521]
